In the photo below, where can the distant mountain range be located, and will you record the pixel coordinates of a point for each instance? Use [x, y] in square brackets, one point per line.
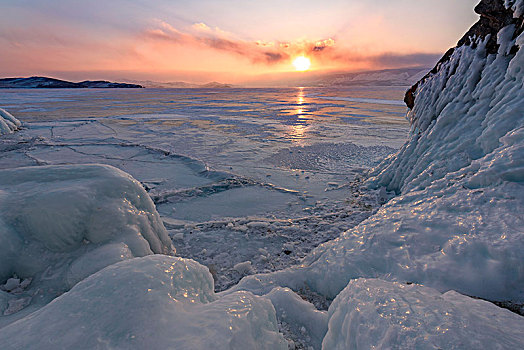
[387, 77]
[51, 83]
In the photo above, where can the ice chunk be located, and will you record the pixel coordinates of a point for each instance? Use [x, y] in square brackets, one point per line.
[60, 224]
[372, 314]
[299, 314]
[8, 123]
[244, 268]
[15, 305]
[155, 302]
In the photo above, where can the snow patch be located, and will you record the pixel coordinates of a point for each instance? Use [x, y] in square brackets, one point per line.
[516, 5]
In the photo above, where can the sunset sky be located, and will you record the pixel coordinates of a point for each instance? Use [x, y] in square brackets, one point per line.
[229, 41]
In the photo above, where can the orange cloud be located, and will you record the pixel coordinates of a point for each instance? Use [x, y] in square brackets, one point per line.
[267, 52]
[325, 52]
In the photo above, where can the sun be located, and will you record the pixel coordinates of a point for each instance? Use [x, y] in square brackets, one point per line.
[301, 63]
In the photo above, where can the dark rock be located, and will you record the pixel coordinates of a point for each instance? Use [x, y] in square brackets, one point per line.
[493, 17]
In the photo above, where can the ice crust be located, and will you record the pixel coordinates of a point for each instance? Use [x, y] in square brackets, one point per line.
[60, 224]
[375, 314]
[8, 123]
[154, 302]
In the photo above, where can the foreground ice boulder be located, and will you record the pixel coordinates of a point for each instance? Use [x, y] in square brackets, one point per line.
[60, 224]
[374, 314]
[155, 302]
[78, 270]
[8, 123]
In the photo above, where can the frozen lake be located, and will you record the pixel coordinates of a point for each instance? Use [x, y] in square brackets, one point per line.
[246, 180]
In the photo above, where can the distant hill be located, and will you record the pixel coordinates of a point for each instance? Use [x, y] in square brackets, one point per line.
[51, 83]
[183, 85]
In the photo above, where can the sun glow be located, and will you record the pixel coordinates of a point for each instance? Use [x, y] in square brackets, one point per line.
[301, 63]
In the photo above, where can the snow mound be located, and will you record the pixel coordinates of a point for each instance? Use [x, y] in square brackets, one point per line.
[374, 314]
[60, 224]
[8, 123]
[155, 302]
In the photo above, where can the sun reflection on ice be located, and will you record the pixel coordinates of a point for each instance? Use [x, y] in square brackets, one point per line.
[299, 127]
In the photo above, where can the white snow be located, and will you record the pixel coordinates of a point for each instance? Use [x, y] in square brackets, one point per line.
[8, 123]
[374, 314]
[155, 302]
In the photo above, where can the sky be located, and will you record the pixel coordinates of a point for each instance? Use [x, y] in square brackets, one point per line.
[223, 40]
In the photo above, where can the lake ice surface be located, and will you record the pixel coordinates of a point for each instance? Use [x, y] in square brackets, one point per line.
[239, 176]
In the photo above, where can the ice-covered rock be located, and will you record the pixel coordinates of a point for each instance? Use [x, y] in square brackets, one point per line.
[457, 220]
[155, 302]
[60, 224]
[374, 314]
[8, 123]
[461, 175]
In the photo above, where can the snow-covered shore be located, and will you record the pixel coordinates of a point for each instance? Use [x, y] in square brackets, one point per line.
[84, 256]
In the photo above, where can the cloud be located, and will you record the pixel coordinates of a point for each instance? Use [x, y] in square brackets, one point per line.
[266, 52]
[275, 52]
